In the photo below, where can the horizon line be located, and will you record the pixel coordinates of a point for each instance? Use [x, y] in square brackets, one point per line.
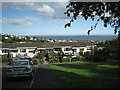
[63, 34]
[58, 34]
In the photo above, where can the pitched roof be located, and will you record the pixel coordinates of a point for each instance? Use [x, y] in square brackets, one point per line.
[46, 44]
[75, 44]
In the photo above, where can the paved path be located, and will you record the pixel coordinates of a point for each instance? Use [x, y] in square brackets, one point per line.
[43, 78]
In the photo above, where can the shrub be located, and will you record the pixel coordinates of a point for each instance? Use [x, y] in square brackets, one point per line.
[41, 62]
[88, 57]
[39, 55]
[95, 58]
[78, 58]
[50, 61]
[63, 59]
[99, 58]
[5, 58]
[35, 62]
[75, 59]
[15, 58]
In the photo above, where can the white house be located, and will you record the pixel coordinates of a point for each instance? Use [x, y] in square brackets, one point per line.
[76, 51]
[80, 50]
[56, 49]
[13, 52]
[4, 51]
[31, 38]
[67, 50]
[6, 37]
[29, 51]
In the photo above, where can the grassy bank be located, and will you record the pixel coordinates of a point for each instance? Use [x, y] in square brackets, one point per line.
[86, 74]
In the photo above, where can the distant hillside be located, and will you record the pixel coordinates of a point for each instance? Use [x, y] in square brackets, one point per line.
[20, 39]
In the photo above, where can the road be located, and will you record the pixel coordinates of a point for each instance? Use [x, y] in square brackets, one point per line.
[15, 82]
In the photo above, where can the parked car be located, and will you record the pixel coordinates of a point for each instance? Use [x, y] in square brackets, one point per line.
[20, 68]
[26, 57]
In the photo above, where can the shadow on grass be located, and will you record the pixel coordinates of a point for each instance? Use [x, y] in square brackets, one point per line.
[105, 77]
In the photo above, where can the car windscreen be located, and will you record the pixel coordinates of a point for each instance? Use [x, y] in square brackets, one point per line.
[19, 63]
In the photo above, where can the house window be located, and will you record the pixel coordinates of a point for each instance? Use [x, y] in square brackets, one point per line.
[67, 49]
[88, 49]
[4, 51]
[57, 49]
[31, 51]
[14, 51]
[66, 53]
[22, 50]
[81, 49]
[74, 50]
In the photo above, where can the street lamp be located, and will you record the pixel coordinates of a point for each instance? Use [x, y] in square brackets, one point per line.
[93, 53]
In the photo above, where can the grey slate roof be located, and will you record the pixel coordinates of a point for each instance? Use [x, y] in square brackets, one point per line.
[46, 44]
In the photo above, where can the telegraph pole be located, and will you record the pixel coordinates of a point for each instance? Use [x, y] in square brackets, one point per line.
[93, 53]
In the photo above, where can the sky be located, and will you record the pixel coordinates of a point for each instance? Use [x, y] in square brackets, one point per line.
[45, 18]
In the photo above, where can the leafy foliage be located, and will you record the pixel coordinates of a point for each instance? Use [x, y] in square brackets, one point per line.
[5, 58]
[110, 48]
[39, 55]
[108, 12]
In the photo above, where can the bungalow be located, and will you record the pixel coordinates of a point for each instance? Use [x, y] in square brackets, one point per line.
[77, 48]
[30, 49]
[75, 51]
[13, 52]
[67, 50]
[4, 51]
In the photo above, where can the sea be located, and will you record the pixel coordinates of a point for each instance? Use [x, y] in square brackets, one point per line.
[78, 37]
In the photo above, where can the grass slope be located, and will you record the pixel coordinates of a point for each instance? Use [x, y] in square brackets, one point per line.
[86, 74]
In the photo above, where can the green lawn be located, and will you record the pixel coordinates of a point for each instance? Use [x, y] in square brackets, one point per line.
[86, 74]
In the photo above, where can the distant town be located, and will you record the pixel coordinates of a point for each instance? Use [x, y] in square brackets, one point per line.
[23, 39]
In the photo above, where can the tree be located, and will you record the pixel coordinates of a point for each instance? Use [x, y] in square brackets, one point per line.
[27, 38]
[108, 12]
[34, 38]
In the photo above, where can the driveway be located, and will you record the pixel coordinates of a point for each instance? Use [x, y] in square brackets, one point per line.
[44, 78]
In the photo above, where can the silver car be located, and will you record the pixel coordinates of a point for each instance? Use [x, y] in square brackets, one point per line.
[20, 68]
[26, 57]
